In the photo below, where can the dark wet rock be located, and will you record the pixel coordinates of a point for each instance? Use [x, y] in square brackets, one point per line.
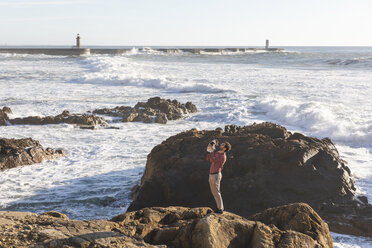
[64, 117]
[267, 167]
[354, 219]
[165, 227]
[156, 110]
[4, 118]
[18, 152]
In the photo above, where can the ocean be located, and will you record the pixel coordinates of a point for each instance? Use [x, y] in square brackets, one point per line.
[319, 91]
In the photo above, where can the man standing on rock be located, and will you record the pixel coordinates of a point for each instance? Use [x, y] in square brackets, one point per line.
[217, 159]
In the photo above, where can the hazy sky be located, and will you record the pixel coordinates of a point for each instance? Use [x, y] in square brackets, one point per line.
[186, 22]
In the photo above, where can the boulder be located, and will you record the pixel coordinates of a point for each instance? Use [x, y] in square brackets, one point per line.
[17, 152]
[267, 167]
[4, 118]
[353, 219]
[161, 227]
[296, 216]
[156, 110]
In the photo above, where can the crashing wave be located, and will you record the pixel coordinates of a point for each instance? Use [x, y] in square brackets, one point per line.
[319, 119]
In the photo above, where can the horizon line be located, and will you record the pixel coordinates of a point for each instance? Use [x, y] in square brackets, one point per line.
[134, 46]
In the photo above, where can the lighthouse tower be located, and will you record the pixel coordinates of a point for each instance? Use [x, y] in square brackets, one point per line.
[78, 41]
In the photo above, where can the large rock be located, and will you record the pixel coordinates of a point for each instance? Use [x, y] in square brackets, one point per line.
[297, 216]
[267, 167]
[163, 227]
[17, 152]
[155, 109]
[354, 219]
[199, 227]
[83, 120]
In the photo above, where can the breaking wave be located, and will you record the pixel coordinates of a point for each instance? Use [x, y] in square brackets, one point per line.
[125, 71]
[319, 119]
[351, 62]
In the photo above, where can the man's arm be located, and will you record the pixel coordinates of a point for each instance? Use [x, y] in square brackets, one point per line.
[209, 152]
[209, 155]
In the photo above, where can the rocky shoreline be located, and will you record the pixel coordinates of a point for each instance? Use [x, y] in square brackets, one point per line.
[295, 225]
[268, 172]
[18, 152]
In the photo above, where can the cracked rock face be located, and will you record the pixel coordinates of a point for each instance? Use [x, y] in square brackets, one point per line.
[53, 229]
[164, 227]
[156, 110]
[267, 167]
[18, 152]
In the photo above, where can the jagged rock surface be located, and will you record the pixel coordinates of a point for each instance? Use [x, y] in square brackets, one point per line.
[53, 229]
[84, 120]
[267, 167]
[156, 110]
[163, 227]
[297, 216]
[17, 152]
[199, 227]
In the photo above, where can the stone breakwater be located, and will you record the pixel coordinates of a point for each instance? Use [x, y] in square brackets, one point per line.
[156, 110]
[18, 152]
[87, 51]
[267, 167]
[297, 226]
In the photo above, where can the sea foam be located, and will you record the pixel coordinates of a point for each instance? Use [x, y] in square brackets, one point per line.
[319, 119]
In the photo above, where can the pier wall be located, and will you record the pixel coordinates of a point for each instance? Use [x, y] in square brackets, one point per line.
[87, 51]
[108, 51]
[47, 51]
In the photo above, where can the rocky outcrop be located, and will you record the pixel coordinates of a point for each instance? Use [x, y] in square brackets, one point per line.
[299, 217]
[83, 120]
[4, 118]
[164, 227]
[199, 227]
[17, 152]
[64, 117]
[53, 229]
[267, 167]
[156, 110]
[350, 218]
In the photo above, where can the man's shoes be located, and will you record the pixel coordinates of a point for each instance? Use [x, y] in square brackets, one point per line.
[219, 211]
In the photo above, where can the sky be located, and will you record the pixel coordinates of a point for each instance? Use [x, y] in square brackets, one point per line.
[186, 22]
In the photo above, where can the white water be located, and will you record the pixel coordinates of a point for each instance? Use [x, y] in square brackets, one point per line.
[323, 92]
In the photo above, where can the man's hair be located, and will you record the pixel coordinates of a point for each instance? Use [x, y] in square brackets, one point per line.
[227, 146]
